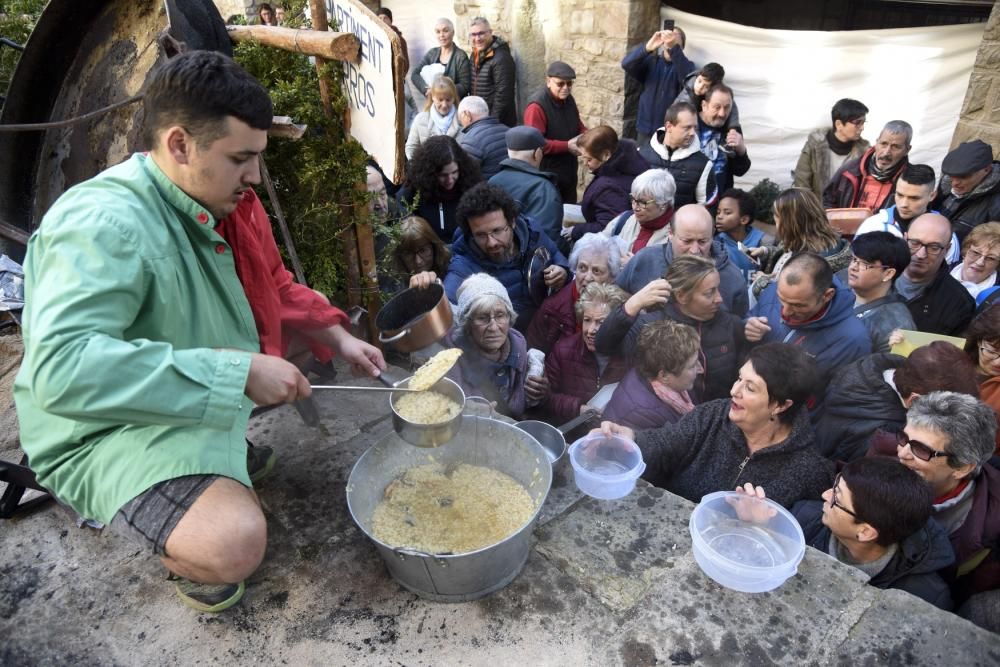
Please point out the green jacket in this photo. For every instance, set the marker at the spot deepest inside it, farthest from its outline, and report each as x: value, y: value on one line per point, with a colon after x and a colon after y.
x: 137, y: 339
x: 812, y: 171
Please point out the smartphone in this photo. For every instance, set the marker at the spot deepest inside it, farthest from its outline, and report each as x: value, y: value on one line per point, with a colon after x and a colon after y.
x: 668, y: 24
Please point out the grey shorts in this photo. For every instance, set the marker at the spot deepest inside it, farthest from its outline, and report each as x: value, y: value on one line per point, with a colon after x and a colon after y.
x: 150, y: 517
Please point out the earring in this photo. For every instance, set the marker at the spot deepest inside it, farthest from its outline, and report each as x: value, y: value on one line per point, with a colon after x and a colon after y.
x: 773, y: 417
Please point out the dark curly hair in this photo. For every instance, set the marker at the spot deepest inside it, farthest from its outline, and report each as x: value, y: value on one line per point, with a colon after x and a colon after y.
x: 482, y: 199
x: 430, y: 157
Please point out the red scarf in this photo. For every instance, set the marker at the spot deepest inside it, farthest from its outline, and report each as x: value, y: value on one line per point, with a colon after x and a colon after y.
x: 646, y: 229
x: 953, y: 493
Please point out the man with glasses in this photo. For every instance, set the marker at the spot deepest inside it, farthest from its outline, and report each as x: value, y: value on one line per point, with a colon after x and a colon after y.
x: 948, y: 441
x: 495, y: 239
x: 914, y: 192
x: 877, y: 518
x: 827, y: 148
x: 493, y: 74
x: 938, y: 303
x: 691, y: 233
x: 552, y: 111
x: 879, y: 259
x: 676, y: 148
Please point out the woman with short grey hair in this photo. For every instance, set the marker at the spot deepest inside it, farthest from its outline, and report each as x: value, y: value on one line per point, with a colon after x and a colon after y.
x: 948, y: 440
x: 648, y: 221
x: 454, y: 60
x: 596, y: 258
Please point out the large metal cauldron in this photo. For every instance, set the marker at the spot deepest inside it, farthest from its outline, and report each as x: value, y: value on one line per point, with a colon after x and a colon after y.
x: 480, y: 441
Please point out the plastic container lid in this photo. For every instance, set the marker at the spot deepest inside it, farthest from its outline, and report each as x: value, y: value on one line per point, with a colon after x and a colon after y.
x: 751, y: 556
x: 606, y: 467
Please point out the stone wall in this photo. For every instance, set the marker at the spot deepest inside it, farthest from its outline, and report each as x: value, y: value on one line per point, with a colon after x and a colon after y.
x: 980, y: 117
x: 229, y: 8
x: 590, y: 35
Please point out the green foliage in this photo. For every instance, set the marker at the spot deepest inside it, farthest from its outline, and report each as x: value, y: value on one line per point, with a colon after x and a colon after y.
x: 17, y: 20
x: 320, y: 178
x: 764, y: 194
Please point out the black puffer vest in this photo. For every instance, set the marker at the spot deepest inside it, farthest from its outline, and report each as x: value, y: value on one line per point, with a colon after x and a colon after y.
x: 686, y: 171
x: 562, y: 122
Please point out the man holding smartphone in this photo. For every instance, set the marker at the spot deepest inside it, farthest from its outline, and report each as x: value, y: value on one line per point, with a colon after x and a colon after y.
x: 661, y: 67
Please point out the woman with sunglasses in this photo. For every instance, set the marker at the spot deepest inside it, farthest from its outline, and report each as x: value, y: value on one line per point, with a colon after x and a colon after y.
x: 948, y: 440
x: 982, y: 344
x: 760, y: 435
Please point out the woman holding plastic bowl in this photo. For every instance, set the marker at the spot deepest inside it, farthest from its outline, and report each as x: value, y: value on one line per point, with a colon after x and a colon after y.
x: 760, y: 435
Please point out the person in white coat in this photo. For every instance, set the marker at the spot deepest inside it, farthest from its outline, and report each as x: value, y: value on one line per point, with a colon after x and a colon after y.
x: 440, y: 115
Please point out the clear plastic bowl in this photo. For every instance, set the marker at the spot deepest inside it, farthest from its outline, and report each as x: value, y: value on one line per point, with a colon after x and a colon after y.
x: 606, y: 467
x: 746, y: 556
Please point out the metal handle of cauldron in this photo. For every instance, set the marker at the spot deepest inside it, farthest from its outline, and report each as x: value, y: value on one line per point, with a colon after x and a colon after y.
x: 402, y: 553
x: 392, y: 339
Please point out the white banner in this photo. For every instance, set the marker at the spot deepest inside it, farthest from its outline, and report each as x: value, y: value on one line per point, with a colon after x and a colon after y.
x: 371, y: 86
x: 786, y: 81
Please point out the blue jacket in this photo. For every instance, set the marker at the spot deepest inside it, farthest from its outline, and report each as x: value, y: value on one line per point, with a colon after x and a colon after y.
x: 661, y: 81
x: 485, y: 141
x: 467, y: 259
x: 834, y: 340
x: 754, y: 238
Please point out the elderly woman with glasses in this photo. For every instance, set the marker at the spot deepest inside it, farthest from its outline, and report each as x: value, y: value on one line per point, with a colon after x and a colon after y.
x: 596, y: 258
x: 574, y: 369
x: 980, y: 259
x: 982, y: 344
x: 760, y: 435
x: 494, y: 361
x: 648, y: 222
x: 948, y: 440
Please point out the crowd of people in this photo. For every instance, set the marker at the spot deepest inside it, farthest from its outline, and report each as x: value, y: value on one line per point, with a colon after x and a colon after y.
x: 733, y: 357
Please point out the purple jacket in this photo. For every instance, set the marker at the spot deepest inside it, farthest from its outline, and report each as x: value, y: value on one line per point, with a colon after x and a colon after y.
x: 607, y: 195
x: 635, y: 405
x: 502, y: 382
x: 555, y: 319
x: 572, y: 373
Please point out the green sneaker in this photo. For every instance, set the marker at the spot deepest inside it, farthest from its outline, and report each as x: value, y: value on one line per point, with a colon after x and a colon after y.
x: 260, y: 462
x: 208, y: 598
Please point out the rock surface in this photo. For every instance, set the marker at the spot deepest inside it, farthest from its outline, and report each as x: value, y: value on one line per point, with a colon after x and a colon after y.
x: 607, y: 583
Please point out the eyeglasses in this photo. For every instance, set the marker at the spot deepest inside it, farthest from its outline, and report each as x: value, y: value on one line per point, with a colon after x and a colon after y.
x: 485, y: 320
x: 917, y: 448
x: 988, y: 353
x: 496, y: 234
x: 933, y: 249
x: 858, y: 122
x: 866, y: 266
x: 974, y: 256
x: 563, y: 84
x: 833, y: 497
x: 478, y: 34
x: 422, y: 251
x: 639, y: 203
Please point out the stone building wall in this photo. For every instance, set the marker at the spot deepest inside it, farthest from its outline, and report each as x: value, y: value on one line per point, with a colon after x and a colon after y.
x: 980, y: 116
x: 590, y: 35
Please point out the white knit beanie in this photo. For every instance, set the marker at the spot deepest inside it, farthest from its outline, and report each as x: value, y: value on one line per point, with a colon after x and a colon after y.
x: 474, y: 289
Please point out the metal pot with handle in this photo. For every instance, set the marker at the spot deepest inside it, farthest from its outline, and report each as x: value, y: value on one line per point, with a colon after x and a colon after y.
x: 453, y: 577
x: 415, y: 318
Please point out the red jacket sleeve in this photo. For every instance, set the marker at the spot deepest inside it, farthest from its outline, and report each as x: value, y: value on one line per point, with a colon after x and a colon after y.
x: 535, y: 117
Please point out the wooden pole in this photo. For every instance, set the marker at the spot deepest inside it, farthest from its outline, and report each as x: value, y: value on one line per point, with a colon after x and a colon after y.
x: 328, y: 45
